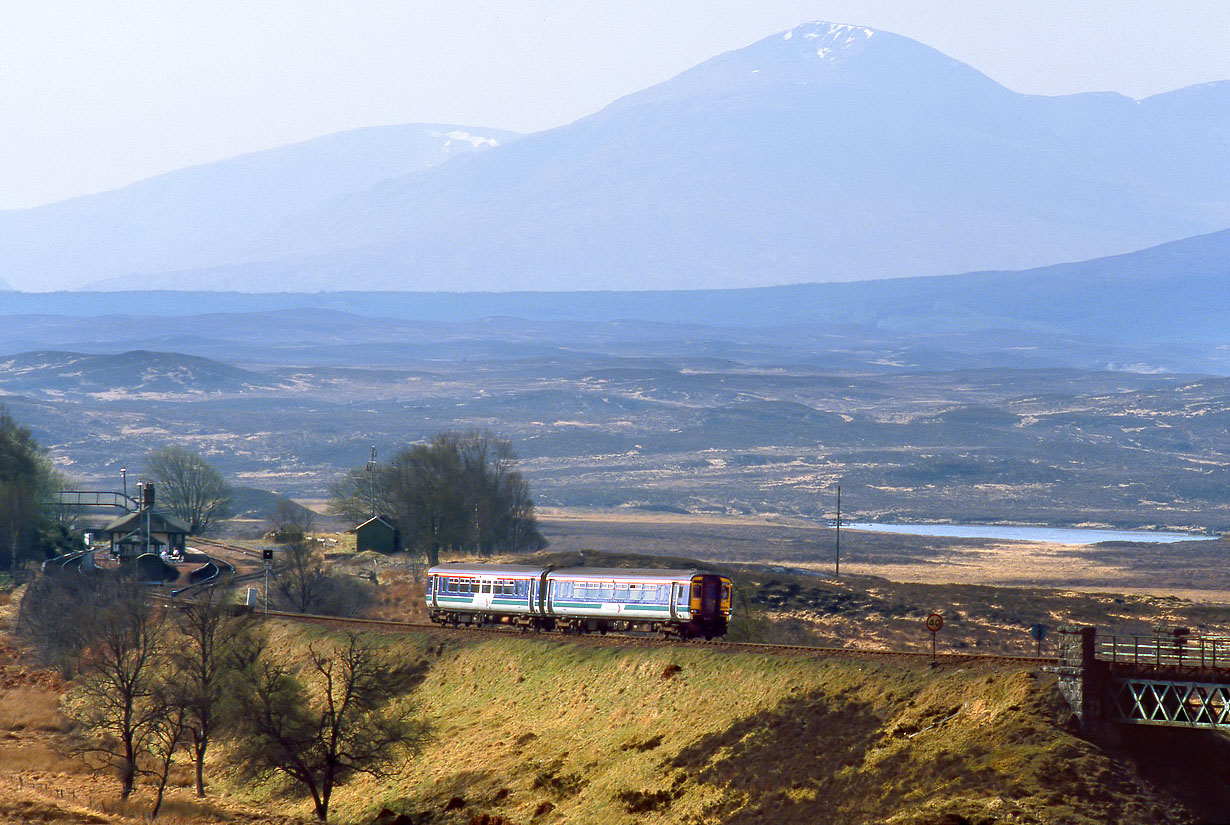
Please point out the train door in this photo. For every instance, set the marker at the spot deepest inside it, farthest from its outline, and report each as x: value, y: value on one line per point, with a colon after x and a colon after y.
x: 483, y: 597
x: 431, y: 591
x: 679, y: 601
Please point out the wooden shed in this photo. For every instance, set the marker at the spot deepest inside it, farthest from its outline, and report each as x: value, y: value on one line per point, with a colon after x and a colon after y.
x: 379, y: 534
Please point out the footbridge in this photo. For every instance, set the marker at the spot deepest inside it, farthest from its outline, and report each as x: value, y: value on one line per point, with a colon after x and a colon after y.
x: 96, y: 498
x: 1171, y: 678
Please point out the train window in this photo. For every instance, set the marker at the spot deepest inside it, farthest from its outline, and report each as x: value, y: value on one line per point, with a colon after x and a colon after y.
x: 696, y: 590
x: 608, y: 590
x: 486, y: 587
x: 621, y: 592
x: 725, y: 592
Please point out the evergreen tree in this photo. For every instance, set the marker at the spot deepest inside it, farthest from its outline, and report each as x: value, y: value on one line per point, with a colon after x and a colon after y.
x: 27, y: 486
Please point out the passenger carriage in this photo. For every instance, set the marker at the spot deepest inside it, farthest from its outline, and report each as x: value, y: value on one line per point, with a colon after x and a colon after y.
x: 686, y: 603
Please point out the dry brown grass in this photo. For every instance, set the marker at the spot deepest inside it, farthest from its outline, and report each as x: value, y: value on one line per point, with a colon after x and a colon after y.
x: 30, y: 708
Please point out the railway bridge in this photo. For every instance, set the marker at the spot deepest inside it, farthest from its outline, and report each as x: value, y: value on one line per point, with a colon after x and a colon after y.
x: 1172, y: 678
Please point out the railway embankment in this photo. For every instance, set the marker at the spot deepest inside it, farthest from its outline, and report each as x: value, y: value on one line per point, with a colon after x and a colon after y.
x: 535, y: 732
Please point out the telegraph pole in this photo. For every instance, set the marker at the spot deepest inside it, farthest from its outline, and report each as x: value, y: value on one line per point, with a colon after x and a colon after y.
x: 371, y: 485
x: 837, y: 557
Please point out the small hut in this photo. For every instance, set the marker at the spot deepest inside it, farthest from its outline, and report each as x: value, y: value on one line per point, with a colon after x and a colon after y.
x: 378, y: 533
x: 129, y: 540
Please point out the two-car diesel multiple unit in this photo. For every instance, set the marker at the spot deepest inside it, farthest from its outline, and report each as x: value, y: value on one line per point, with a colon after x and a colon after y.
x: 683, y: 603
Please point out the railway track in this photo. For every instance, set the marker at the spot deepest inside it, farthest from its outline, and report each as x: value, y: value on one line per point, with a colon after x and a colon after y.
x: 250, y: 567
x: 624, y: 640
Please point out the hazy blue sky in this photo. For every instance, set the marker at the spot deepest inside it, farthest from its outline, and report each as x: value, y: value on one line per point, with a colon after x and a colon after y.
x: 98, y: 93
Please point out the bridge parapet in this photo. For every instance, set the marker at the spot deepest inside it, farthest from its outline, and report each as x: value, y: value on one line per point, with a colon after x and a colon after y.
x: 1176, y: 649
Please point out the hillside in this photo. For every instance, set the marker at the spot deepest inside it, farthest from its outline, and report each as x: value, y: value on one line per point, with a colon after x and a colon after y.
x: 209, y: 214
x: 133, y: 374
x: 557, y: 732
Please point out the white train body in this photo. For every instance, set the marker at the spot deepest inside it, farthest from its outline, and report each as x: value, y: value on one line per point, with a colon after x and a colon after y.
x: 579, y: 599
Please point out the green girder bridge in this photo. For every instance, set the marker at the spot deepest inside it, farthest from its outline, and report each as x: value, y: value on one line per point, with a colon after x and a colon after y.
x: 1171, y: 679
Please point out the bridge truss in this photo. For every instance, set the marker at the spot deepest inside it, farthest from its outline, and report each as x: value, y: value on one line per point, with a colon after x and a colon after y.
x: 1158, y: 702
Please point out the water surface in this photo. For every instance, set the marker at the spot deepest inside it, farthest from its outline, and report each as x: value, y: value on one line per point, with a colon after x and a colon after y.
x: 1052, y: 535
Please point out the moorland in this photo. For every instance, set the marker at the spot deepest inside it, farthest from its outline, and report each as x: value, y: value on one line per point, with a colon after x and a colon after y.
x: 654, y: 416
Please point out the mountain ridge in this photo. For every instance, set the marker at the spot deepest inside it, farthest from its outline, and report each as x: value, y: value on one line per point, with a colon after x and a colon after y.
x: 1174, y: 294
x: 825, y: 153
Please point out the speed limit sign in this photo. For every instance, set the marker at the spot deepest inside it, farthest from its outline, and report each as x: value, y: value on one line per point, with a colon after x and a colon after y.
x: 935, y: 622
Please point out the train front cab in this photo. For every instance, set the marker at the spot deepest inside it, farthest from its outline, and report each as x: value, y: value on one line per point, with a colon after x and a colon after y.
x: 710, y: 605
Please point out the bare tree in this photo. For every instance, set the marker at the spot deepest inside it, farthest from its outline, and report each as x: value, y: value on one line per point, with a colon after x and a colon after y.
x: 291, y: 521
x: 354, y: 495
x: 333, y: 718
x: 189, y: 486
x: 299, y: 574
x: 207, y: 633
x: 58, y: 615
x: 166, y: 734
x: 460, y: 491
x: 117, y: 706
x: 306, y: 586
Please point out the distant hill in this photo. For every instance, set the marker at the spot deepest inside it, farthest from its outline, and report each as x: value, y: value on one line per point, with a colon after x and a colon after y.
x: 136, y: 373
x: 825, y: 153
x: 1177, y: 293
x: 254, y: 503
x: 213, y: 213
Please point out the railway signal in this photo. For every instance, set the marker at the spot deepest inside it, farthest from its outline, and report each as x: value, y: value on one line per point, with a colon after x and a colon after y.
x: 1038, y: 632
x: 267, y: 556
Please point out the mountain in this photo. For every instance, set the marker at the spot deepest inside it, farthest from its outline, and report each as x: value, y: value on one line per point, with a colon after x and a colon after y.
x: 824, y: 153
x: 216, y: 212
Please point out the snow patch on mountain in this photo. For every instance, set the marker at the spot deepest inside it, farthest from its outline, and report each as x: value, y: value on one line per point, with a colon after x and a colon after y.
x: 474, y: 140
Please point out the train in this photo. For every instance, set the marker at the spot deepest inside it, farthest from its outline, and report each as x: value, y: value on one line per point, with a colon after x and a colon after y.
x: 683, y: 604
